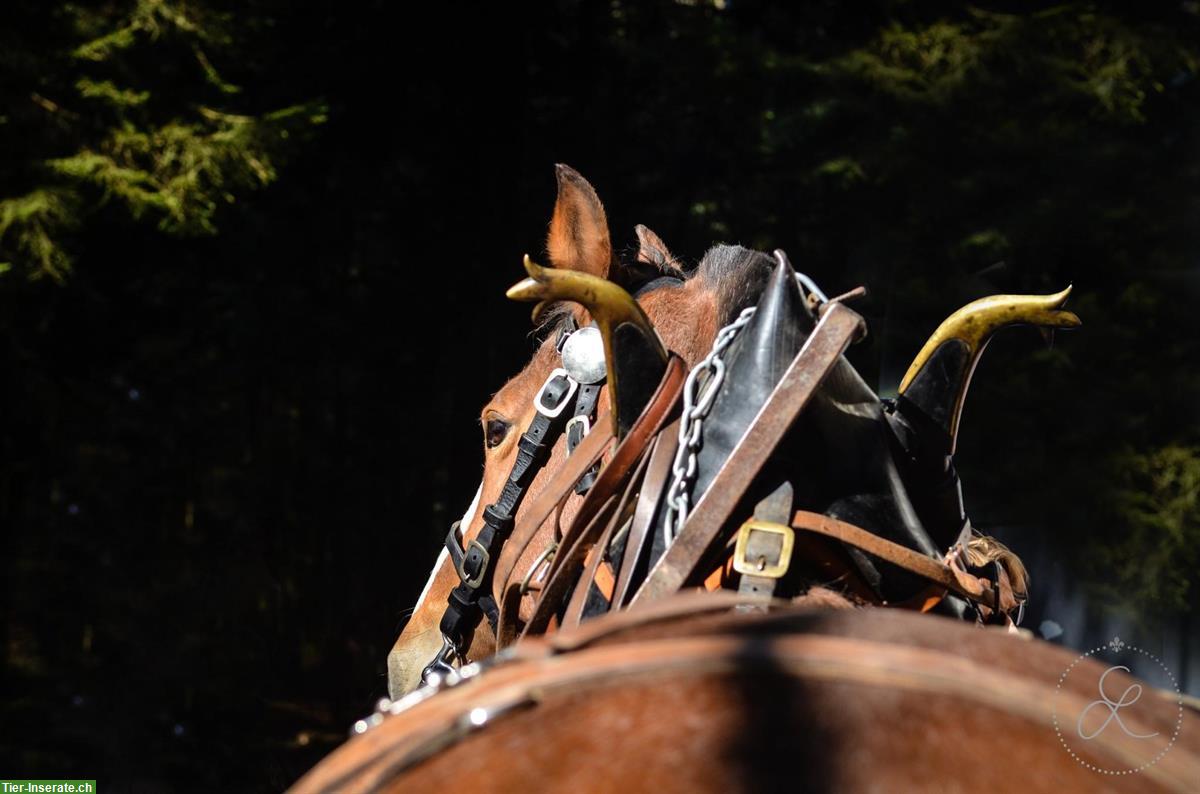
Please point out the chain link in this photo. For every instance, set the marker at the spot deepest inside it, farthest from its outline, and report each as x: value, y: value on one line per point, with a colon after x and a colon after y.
x: 699, y: 391
x: 698, y: 396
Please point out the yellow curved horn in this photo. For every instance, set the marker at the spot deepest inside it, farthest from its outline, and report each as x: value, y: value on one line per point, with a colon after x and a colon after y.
x: 938, y: 377
x: 610, y: 306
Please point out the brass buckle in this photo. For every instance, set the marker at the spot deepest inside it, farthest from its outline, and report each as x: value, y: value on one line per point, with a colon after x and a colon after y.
x: 762, y: 566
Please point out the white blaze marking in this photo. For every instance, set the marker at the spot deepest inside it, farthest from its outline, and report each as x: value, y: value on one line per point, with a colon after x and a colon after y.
x: 467, y: 518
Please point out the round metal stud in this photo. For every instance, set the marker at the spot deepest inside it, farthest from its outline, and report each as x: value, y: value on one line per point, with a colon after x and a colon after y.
x: 583, y: 355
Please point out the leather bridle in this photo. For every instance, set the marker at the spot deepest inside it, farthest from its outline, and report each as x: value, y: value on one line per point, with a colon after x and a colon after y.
x: 561, y: 404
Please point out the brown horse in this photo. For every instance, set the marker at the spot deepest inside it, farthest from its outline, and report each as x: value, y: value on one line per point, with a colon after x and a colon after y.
x: 692, y: 696
x: 683, y: 314
x: 688, y: 693
x: 686, y: 314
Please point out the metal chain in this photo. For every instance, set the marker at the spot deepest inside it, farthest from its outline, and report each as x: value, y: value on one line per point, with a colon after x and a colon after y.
x: 698, y: 397
x: 697, y: 400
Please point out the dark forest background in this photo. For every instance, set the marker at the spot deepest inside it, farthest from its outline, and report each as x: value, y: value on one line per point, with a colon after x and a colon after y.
x: 252, y: 262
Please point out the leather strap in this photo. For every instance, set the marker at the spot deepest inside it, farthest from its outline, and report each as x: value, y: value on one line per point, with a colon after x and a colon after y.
x: 574, y: 613
x: 472, y: 597
x: 602, y: 525
x: 654, y: 487
x: 557, y: 489
x: 946, y: 576
x: 583, y: 532
x: 777, y: 508
x: 580, y: 426
x: 838, y: 326
x: 625, y: 621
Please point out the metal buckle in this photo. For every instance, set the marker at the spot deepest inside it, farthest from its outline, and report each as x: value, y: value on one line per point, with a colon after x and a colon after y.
x: 581, y: 419
x: 553, y: 411
x: 761, y: 566
x: 439, y: 667
x: 546, y: 555
x: 474, y: 581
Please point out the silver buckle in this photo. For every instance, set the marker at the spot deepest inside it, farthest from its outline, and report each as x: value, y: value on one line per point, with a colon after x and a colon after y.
x: 581, y: 419
x: 553, y: 411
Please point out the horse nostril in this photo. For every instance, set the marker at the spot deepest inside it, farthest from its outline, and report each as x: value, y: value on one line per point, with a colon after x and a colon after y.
x: 495, y: 432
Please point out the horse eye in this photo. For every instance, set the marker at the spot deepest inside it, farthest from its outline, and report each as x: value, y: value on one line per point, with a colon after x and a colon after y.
x: 496, y: 431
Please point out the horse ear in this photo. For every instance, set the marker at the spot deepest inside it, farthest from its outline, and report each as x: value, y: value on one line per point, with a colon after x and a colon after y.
x: 578, y: 238
x: 653, y: 251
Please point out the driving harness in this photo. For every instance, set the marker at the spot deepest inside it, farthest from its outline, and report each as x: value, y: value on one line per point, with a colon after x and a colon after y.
x: 788, y: 391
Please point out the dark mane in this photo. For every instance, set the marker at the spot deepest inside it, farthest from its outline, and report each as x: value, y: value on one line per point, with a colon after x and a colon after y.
x: 737, y: 274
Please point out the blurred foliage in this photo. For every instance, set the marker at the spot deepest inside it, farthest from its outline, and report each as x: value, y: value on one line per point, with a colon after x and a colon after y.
x: 233, y: 435
x: 107, y: 128
x: 1157, y: 501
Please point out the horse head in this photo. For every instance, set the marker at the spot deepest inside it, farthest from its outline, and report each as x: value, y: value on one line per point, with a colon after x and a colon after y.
x: 685, y: 313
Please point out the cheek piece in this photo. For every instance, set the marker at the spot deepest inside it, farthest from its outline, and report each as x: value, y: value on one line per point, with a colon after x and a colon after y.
x: 566, y: 402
